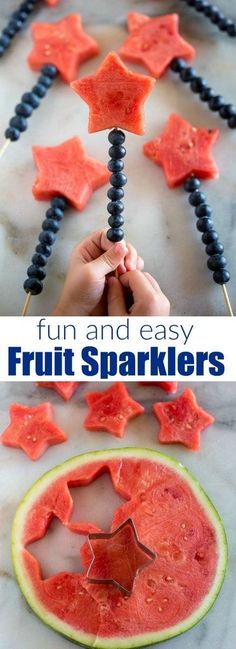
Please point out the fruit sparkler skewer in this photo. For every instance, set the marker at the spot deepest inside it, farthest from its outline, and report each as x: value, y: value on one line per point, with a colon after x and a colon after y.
x: 156, y: 44
x: 184, y: 152
x: 214, y: 14
x: 59, y: 49
x: 115, y: 97
x: 67, y: 176
x: 17, y: 20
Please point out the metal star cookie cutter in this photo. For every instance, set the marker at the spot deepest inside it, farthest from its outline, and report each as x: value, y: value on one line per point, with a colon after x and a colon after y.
x: 150, y: 557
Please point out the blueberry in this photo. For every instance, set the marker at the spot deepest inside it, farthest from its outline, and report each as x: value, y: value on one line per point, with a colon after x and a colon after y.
x: 115, y: 234
x: 12, y: 134
x: 33, y: 285
x: 205, y: 224
x: 23, y: 109
x: 221, y: 276
x: 116, y: 136
x: 115, y: 207
x: 115, y: 193
x: 191, y: 184
x: 196, y: 198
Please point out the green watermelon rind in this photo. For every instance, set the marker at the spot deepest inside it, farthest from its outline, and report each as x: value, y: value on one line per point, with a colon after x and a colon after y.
x: 140, y: 640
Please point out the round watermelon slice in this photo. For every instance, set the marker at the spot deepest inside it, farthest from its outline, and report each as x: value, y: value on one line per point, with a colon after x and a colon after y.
x: 173, y: 517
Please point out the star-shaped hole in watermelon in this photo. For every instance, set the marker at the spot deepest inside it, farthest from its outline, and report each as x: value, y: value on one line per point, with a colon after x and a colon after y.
x: 115, y: 96
x: 65, y: 389
x: 183, y: 150
x: 32, y: 429
x: 68, y: 171
x: 118, y: 557
x: 182, y: 420
x: 111, y: 410
x: 64, y: 44
x: 154, y: 42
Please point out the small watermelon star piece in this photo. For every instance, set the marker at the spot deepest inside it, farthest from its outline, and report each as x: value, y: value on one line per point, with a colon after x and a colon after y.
x: 52, y: 3
x: 66, y: 170
x: 167, y: 386
x: 118, y: 557
x: 115, y: 96
x: 182, y: 420
x: 111, y: 410
x: 154, y: 42
x: 65, y: 389
x: 32, y: 429
x: 183, y: 150
x: 64, y: 44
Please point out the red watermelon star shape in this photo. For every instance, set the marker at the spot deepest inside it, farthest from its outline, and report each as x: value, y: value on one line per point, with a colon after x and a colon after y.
x: 115, y: 96
x: 32, y: 429
x: 111, y: 410
x: 68, y: 171
x: 154, y: 42
x: 182, y: 420
x: 65, y: 389
x: 52, y: 3
x: 183, y: 150
x: 64, y: 44
x: 118, y: 557
x: 167, y: 386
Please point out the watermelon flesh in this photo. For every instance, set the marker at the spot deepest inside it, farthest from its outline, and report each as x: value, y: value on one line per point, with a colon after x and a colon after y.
x: 173, y: 517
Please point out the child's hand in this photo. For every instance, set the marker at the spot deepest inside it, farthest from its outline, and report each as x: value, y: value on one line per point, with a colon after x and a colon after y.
x: 84, y: 291
x: 146, y: 296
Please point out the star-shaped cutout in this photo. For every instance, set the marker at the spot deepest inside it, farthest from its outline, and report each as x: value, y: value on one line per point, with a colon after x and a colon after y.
x: 65, y: 389
x: 182, y: 420
x: 118, y: 557
x: 115, y: 96
x: 111, y: 410
x: 68, y: 171
x: 64, y: 44
x: 183, y: 150
x: 154, y: 42
x: 32, y: 429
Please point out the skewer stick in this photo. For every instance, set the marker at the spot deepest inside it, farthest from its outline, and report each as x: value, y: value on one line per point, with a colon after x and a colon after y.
x: 26, y: 304
x: 227, y: 300
x: 4, y: 148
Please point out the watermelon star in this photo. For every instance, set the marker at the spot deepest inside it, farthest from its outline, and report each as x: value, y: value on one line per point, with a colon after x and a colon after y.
x: 183, y: 150
x: 115, y: 96
x: 118, y: 557
x: 182, y: 420
x: 111, y: 410
x: 154, y: 42
x: 32, y: 429
x: 64, y: 44
x: 167, y: 386
x: 65, y: 389
x: 68, y: 171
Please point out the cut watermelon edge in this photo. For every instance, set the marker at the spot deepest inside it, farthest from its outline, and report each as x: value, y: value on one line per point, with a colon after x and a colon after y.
x: 141, y: 640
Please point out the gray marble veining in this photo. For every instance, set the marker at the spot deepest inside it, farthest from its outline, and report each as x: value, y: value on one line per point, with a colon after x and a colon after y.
x: 171, y: 247
x: 214, y: 466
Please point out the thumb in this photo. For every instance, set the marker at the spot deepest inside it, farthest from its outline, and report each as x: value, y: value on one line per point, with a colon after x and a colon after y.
x: 109, y: 260
x: 115, y: 298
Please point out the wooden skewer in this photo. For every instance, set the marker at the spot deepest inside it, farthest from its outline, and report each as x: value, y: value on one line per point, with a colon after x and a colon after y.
x: 26, y: 304
x: 4, y: 148
x: 227, y: 300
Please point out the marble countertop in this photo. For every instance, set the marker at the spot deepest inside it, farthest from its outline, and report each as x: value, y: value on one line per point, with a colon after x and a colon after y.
x: 214, y: 466
x: 169, y: 241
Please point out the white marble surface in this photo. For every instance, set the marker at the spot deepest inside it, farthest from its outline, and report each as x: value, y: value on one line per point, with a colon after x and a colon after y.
x: 214, y: 466
x: 158, y: 221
